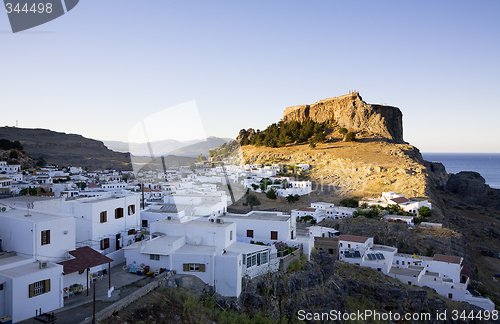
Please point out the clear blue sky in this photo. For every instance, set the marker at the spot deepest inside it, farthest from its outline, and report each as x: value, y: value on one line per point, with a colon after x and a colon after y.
x: 106, y: 65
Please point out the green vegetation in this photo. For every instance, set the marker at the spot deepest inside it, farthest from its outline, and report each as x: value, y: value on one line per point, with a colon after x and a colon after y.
x: 5, y: 144
x: 41, y: 162
x: 13, y: 154
x: 424, y: 211
x: 292, y: 198
x: 350, y: 137
x: 32, y: 191
x: 271, y: 194
x: 349, y: 202
x: 280, y: 134
x: 343, y: 131
x: 201, y: 158
x: 252, y: 200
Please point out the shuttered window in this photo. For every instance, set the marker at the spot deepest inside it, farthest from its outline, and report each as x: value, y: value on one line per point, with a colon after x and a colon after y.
x: 104, y: 244
x: 250, y: 233
x: 104, y: 217
x: 274, y: 235
x: 131, y: 209
x: 39, y: 288
x: 118, y: 213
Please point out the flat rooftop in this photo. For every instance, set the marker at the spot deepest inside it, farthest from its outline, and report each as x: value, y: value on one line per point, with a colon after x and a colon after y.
x: 259, y: 216
x: 404, y: 272
x: 384, y: 248
x: 196, y: 222
x: 35, y: 215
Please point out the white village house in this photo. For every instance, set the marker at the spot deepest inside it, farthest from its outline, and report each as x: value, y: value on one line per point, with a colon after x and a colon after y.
x: 446, y: 274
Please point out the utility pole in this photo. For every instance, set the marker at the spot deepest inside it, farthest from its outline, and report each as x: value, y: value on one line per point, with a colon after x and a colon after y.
x: 93, y: 303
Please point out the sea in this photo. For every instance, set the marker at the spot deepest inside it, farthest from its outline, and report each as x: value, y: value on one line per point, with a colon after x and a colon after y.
x: 487, y: 164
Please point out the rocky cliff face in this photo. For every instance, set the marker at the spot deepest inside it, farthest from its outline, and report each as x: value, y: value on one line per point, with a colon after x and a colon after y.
x: 351, y: 112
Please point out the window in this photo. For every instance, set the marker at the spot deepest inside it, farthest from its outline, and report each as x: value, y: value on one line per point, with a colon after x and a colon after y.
x: 118, y: 213
x: 340, y: 244
x: 274, y: 235
x: 403, y: 263
x: 256, y: 258
x: 230, y: 235
x: 330, y: 251
x: 39, y: 288
x: 250, y: 233
x: 131, y: 231
x: 131, y: 209
x: 155, y: 257
x: 1, y: 286
x: 104, y: 216
x: 349, y: 246
x: 46, y: 237
x: 193, y: 267
x: 104, y: 244
x: 144, y: 223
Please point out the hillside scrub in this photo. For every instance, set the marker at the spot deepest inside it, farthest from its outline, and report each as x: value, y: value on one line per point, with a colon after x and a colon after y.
x: 283, y: 133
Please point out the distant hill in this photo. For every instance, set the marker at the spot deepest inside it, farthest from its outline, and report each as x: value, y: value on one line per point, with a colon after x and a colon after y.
x: 163, y: 147
x: 66, y: 149
x: 201, y: 148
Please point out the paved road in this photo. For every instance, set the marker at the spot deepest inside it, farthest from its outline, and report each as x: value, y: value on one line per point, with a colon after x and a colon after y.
x: 78, y: 307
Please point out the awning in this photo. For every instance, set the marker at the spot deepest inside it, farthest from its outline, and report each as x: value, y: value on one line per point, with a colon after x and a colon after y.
x: 85, y: 257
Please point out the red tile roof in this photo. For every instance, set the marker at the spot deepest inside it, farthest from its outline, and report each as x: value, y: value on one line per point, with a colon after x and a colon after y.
x: 466, y: 272
x: 93, y: 185
x: 447, y: 258
x: 353, y: 238
x: 85, y: 257
x: 400, y: 200
x: 307, y: 209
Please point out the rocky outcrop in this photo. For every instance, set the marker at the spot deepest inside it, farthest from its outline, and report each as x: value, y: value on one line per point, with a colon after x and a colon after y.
x: 351, y: 112
x: 472, y: 189
x: 245, y: 135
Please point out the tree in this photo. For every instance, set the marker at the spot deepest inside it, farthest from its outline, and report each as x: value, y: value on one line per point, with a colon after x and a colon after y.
x: 343, y: 131
x: 13, y: 154
x: 201, y: 158
x: 40, y: 162
x: 254, y: 186
x: 271, y: 194
x: 350, y: 137
x: 312, y: 144
x: 252, y: 200
x: 349, y: 202
x: 424, y: 211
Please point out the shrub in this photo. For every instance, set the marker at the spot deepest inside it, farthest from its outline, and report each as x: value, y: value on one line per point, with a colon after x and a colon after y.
x: 424, y: 211
x: 349, y: 202
x: 343, y: 131
x: 13, y: 154
x: 312, y: 144
x: 350, y: 137
x: 252, y: 200
x: 271, y: 194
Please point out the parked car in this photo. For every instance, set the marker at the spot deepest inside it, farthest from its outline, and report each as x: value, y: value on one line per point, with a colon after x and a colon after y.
x: 484, y: 252
x: 492, y: 254
x: 497, y: 275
